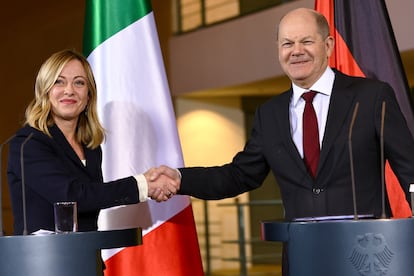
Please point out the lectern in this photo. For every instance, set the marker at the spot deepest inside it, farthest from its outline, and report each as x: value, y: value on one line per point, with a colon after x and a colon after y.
x: 346, y: 247
x: 61, y: 254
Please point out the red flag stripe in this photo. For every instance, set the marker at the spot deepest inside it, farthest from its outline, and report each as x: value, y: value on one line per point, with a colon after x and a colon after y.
x: 344, y: 60
x: 175, y: 232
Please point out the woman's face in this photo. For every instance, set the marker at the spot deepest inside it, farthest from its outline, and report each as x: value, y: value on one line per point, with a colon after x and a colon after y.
x: 69, y: 95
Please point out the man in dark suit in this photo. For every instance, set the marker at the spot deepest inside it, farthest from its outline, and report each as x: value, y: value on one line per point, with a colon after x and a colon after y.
x: 276, y: 144
x: 276, y: 140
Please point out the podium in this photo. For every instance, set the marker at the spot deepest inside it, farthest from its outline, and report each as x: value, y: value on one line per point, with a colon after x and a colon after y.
x: 61, y: 254
x: 346, y: 247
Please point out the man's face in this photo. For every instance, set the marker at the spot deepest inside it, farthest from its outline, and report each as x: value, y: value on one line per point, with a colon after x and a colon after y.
x: 303, y: 52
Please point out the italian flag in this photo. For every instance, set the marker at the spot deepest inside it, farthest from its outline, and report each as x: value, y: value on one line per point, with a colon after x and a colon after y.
x: 365, y: 46
x: 134, y: 104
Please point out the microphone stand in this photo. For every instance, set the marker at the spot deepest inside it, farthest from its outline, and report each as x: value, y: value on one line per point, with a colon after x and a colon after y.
x: 23, y: 183
x: 1, y: 182
x: 383, y: 215
x: 351, y: 160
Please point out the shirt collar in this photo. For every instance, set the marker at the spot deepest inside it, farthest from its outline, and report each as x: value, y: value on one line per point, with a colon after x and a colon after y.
x: 323, y: 85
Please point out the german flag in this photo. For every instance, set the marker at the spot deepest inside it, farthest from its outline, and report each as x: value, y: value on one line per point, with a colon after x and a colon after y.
x: 365, y: 46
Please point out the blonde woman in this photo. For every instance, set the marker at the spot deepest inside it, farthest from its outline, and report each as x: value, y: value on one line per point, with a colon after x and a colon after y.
x: 62, y: 156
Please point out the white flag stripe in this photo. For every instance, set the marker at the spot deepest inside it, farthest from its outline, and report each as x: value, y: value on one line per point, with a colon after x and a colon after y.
x: 129, y: 59
x: 135, y: 107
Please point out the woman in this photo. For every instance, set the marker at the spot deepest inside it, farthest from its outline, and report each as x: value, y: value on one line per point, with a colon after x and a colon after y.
x: 62, y: 156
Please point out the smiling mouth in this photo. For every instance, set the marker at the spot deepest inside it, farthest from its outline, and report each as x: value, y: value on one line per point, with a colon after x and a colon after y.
x: 299, y: 62
x: 68, y: 101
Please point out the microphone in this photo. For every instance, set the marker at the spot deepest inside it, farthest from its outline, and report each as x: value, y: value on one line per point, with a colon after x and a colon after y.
x: 1, y: 181
x: 382, y: 159
x: 351, y: 160
x: 23, y: 182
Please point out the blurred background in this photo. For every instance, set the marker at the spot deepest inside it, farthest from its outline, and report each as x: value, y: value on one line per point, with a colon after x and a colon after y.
x: 221, y: 61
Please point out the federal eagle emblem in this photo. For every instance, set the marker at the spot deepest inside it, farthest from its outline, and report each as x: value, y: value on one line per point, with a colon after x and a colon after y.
x: 371, y: 256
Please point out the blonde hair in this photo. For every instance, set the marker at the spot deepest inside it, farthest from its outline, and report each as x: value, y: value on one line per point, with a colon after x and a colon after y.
x: 38, y: 113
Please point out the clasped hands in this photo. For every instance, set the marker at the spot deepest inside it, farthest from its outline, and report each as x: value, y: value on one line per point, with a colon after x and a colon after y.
x: 163, y: 182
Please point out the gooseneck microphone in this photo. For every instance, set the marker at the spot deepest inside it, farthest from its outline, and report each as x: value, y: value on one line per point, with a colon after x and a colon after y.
x: 383, y: 215
x: 351, y: 160
x: 23, y: 182
x: 1, y: 181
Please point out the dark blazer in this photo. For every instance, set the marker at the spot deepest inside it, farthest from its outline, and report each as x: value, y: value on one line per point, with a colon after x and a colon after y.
x: 271, y: 147
x: 53, y: 172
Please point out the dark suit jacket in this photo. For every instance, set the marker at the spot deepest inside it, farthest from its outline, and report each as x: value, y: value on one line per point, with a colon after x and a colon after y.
x: 271, y: 147
x: 53, y: 172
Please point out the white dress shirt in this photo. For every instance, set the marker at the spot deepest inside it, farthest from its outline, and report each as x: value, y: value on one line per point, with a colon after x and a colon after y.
x: 320, y: 103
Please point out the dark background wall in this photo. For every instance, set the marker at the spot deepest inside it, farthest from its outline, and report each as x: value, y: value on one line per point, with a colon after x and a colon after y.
x: 30, y: 32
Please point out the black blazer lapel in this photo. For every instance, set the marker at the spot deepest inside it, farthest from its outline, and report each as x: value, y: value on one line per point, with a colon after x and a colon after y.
x: 60, y: 139
x: 283, y: 118
x: 340, y: 108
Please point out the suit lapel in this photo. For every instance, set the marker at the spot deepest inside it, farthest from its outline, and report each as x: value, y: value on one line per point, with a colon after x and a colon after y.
x: 65, y: 146
x: 341, y: 104
x: 282, y: 115
x: 340, y: 108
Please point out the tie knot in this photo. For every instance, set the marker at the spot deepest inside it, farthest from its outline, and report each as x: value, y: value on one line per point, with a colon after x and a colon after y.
x: 308, y: 96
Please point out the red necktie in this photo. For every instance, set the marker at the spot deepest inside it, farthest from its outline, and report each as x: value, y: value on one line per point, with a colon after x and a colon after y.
x: 310, y: 134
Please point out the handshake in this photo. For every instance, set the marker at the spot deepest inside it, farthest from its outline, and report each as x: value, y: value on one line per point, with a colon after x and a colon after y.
x: 163, y: 182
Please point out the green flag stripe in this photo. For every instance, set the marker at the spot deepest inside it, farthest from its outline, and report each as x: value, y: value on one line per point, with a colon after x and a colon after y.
x: 104, y: 18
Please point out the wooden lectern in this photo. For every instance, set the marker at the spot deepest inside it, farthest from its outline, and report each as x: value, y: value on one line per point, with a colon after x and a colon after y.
x: 346, y: 247
x: 61, y: 254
